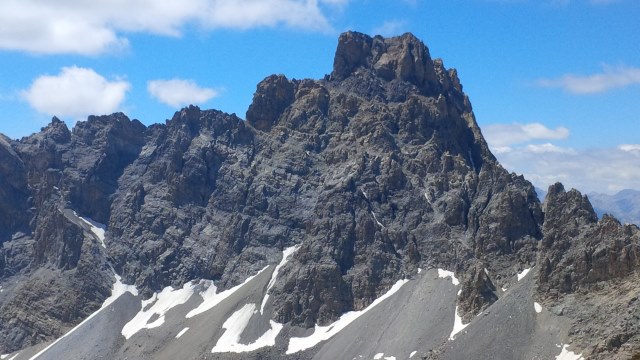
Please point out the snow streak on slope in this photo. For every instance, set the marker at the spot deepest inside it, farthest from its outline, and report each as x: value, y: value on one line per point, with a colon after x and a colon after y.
x: 212, y: 298
x: 285, y: 257
x: 118, y: 290
x: 182, y: 332
x: 457, y: 325
x: 322, y: 333
x: 96, y: 228
x: 457, y: 322
x: 235, y: 326
x: 162, y: 303
x: 524, y: 273
x: 568, y: 355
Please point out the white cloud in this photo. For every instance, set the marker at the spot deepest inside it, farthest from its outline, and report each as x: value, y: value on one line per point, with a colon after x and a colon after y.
x: 94, y: 27
x: 179, y: 92
x: 610, y: 78
x: 500, y: 136
x: 76, y: 92
x: 390, y: 28
x: 547, y: 148
x: 630, y: 147
x: 605, y: 170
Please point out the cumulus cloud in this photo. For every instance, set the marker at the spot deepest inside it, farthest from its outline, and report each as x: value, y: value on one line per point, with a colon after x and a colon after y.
x: 179, y: 92
x: 500, y: 136
x: 610, y: 78
x: 94, y: 27
x: 76, y: 92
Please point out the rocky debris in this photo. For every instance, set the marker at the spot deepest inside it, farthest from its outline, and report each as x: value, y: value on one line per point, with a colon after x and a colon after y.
x: 375, y: 171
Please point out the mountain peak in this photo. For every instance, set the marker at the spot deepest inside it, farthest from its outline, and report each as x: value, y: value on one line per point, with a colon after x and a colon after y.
x: 404, y: 57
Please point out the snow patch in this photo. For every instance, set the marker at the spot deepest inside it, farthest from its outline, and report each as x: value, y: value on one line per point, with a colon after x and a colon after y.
x: 322, y: 333
x: 523, y: 273
x: 568, y: 355
x: 419, y: 270
x: 445, y: 274
x: 537, y: 307
x: 212, y: 298
x: 389, y: 358
x: 413, y: 353
x: 486, y: 271
x: 504, y: 288
x: 117, y: 290
x: 235, y: 325
x: 378, y: 356
x: 161, y: 302
x: 457, y: 325
x: 96, y: 228
x: 286, y: 253
x: 182, y: 332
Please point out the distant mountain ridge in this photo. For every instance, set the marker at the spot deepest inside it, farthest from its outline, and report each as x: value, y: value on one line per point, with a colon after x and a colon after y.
x: 624, y: 205
x: 366, y: 205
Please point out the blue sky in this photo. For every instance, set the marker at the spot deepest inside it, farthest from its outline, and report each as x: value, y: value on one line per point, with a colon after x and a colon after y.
x: 555, y: 84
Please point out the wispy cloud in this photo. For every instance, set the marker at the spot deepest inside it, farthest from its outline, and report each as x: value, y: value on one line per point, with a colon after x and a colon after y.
x: 390, y: 28
x: 76, y: 92
x: 95, y: 27
x: 630, y: 148
x: 610, y: 78
x: 504, y: 135
x: 605, y: 170
x: 180, y: 92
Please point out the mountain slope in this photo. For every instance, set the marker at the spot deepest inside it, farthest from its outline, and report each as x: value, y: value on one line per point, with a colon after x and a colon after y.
x: 364, y: 178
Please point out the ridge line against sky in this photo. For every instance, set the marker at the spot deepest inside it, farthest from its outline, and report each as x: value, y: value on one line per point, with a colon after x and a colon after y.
x: 555, y: 84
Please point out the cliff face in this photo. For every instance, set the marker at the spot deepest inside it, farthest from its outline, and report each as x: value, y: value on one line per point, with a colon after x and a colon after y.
x: 374, y: 171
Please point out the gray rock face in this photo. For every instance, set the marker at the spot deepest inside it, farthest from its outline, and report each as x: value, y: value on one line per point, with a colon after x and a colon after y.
x: 374, y: 171
x: 591, y: 268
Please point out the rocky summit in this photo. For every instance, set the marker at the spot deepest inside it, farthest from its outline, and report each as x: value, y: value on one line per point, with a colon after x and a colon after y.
x: 357, y: 216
